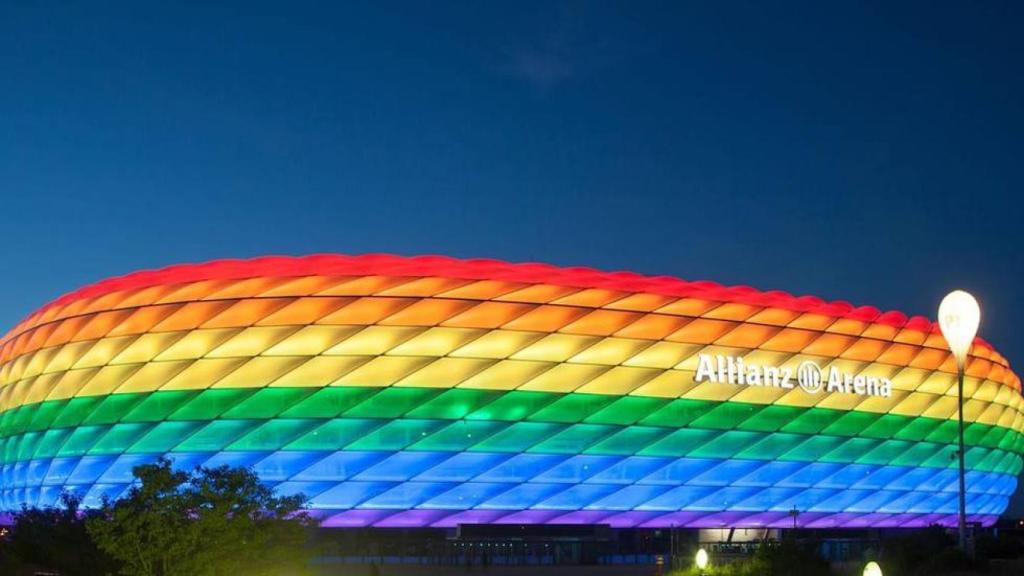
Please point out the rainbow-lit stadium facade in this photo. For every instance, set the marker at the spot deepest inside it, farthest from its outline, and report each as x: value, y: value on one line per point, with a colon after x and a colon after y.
x: 431, y: 391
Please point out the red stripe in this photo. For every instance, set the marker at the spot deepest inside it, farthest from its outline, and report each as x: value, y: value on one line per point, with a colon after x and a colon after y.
x: 486, y: 269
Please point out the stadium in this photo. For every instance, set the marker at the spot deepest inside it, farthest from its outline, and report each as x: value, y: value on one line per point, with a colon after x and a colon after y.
x: 436, y: 392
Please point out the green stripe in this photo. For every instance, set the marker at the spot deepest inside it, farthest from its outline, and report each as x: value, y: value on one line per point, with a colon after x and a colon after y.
x: 456, y: 403
x: 488, y: 436
x: 479, y: 420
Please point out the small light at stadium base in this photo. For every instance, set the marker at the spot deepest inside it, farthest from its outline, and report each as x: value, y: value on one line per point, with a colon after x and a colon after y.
x: 702, y: 559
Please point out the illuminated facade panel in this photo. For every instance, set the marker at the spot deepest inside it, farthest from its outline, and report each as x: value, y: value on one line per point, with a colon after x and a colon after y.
x: 431, y: 392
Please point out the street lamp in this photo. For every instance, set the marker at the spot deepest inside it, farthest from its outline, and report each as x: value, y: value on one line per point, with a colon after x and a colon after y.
x: 702, y: 560
x: 959, y: 316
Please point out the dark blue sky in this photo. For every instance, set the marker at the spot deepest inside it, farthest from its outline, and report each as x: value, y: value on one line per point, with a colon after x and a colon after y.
x: 869, y: 152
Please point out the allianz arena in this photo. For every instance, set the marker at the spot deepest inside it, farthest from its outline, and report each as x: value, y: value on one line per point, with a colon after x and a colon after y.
x: 431, y: 391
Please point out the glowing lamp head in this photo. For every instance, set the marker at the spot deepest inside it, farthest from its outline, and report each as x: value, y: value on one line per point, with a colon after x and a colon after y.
x: 702, y: 559
x: 872, y: 569
x: 959, y: 316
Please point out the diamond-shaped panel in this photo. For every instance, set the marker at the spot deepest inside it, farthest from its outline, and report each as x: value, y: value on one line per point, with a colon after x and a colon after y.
x: 430, y: 391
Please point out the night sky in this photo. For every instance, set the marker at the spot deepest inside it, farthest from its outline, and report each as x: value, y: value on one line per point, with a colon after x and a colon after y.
x: 868, y: 152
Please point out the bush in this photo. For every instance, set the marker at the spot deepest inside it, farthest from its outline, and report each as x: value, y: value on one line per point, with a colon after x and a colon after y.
x: 785, y: 558
x: 922, y: 553
x: 1000, y: 546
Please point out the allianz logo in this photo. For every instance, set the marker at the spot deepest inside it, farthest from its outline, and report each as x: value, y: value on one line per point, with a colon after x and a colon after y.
x: 809, y: 376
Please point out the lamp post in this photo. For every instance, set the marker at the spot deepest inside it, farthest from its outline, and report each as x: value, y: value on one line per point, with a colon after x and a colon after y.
x: 959, y: 316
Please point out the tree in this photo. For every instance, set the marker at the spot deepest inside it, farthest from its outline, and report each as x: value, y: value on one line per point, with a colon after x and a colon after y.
x: 55, y: 538
x: 209, y: 522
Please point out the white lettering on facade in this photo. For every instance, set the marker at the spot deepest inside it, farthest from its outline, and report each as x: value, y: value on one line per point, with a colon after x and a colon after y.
x: 809, y: 377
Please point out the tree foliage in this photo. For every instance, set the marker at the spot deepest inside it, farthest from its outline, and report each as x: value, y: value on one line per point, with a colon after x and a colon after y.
x: 214, y: 521
x: 55, y: 538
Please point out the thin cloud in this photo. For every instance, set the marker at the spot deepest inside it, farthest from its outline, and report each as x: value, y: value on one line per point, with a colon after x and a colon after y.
x: 542, y: 70
x: 555, y: 54
x: 570, y: 42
